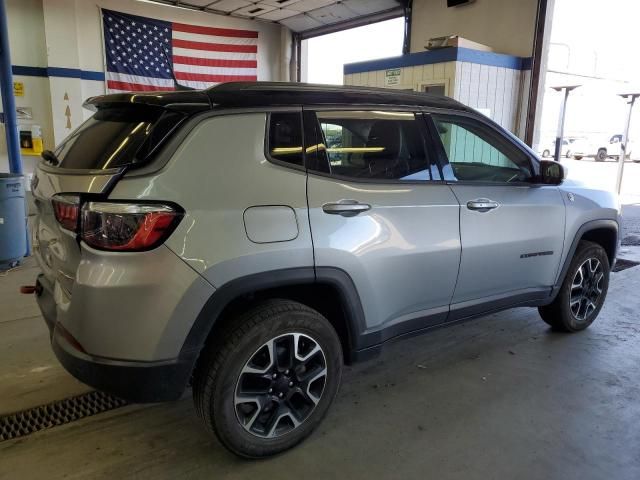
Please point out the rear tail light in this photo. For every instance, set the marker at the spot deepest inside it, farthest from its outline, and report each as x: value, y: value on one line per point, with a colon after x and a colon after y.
x: 127, y: 226
x: 66, y: 208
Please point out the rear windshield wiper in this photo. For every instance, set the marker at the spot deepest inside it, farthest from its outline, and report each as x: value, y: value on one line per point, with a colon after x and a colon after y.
x: 50, y: 157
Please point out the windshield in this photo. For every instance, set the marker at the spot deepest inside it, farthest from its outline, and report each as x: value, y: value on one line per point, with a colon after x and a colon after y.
x: 114, y: 137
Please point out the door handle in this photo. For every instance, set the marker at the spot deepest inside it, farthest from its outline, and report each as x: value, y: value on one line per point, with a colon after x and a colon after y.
x: 346, y: 208
x: 482, y: 205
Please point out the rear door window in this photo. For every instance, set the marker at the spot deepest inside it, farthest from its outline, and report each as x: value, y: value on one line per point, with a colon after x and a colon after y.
x: 374, y: 145
x: 114, y: 137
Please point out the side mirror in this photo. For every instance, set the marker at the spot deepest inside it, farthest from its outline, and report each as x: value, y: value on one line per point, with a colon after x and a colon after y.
x: 551, y: 172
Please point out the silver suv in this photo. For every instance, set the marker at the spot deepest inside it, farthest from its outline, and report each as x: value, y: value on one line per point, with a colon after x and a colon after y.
x: 249, y: 239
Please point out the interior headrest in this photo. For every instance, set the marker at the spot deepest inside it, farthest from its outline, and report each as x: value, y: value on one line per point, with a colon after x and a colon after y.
x: 386, y: 134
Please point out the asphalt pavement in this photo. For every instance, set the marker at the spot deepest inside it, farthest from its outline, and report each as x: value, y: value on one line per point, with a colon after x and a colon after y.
x: 631, y: 224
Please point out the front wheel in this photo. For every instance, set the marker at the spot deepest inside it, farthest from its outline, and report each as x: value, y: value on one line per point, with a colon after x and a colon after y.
x: 268, y: 382
x: 583, y: 291
x: 601, y: 156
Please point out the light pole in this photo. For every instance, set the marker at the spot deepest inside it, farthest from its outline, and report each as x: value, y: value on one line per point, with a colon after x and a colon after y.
x: 631, y: 100
x: 563, y: 112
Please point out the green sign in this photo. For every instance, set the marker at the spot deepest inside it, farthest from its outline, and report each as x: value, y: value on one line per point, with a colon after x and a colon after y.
x: 392, y: 77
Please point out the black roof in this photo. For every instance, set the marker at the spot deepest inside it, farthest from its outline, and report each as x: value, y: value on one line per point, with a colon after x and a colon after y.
x: 250, y: 94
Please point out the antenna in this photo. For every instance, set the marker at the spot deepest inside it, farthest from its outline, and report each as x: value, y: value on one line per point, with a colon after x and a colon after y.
x: 179, y: 86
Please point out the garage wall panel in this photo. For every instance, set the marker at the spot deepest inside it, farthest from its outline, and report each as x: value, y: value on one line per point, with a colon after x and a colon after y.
x: 505, y: 25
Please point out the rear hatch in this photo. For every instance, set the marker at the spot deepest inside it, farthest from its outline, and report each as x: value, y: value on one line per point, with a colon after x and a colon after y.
x: 121, y: 135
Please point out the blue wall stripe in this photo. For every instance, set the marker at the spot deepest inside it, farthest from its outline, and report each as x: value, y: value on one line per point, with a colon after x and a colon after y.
x: 490, y: 58
x: 29, y: 71
x: 57, y: 72
x: 441, y: 55
x: 89, y: 75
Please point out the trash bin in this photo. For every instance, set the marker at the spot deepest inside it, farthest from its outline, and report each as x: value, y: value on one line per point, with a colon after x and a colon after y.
x: 13, y: 236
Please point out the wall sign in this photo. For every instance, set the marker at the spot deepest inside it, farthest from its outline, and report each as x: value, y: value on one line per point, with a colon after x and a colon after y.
x: 392, y: 77
x: 67, y: 112
x: 18, y: 89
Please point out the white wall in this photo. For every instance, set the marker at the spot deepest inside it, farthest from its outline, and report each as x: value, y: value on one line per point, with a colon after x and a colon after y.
x: 507, y: 26
x: 411, y: 78
x: 494, y: 90
x: 26, y: 37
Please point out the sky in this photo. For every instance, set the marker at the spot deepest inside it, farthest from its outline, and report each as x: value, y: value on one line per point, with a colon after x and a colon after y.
x: 328, y: 53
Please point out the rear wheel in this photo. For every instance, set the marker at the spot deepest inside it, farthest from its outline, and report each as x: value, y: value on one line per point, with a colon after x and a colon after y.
x: 270, y: 379
x: 583, y: 291
x: 546, y: 153
x: 601, y: 156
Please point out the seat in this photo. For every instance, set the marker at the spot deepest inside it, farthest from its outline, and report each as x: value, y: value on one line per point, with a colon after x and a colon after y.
x: 389, y: 162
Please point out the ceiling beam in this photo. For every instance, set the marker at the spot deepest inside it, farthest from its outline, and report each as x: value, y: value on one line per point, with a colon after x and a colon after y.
x: 353, y: 23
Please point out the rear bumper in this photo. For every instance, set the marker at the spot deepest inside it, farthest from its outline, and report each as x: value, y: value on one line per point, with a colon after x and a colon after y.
x: 133, y: 381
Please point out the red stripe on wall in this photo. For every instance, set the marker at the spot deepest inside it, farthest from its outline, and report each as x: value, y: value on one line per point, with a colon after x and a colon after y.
x: 214, y: 47
x: 221, y: 32
x: 136, y: 87
x: 203, y: 77
x: 214, y: 62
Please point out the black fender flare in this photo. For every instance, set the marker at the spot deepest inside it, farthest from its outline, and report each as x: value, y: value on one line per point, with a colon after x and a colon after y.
x: 584, y: 228
x: 225, y: 294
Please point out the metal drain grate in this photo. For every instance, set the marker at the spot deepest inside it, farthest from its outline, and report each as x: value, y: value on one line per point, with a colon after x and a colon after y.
x: 57, y: 413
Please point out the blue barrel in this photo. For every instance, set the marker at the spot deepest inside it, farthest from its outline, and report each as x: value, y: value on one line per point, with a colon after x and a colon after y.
x: 13, y: 237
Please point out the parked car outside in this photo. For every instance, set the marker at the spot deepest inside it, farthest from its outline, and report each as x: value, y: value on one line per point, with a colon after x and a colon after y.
x: 614, y: 149
x: 214, y: 239
x: 566, y: 151
x: 584, y: 147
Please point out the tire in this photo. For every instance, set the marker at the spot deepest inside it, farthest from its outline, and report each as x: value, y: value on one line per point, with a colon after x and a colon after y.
x: 546, y: 153
x: 601, y: 156
x: 262, y: 426
x: 563, y: 314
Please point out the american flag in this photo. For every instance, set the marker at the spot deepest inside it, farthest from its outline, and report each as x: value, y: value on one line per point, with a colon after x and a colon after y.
x: 145, y: 54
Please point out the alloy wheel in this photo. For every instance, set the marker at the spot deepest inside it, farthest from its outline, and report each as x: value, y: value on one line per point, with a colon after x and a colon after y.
x: 280, y: 385
x: 586, y: 289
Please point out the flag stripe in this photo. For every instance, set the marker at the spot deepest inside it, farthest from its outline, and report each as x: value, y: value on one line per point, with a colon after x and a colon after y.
x: 196, y: 37
x: 214, y: 47
x: 139, y: 79
x: 195, y: 84
x: 223, y: 32
x: 214, y: 62
x: 215, y: 70
x: 185, y: 52
x: 214, y: 78
x: 135, y: 87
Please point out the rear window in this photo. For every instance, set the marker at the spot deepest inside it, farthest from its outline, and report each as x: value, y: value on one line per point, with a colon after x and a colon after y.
x: 115, y: 137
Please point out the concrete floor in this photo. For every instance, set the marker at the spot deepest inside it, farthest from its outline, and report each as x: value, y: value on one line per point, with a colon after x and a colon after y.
x: 499, y: 397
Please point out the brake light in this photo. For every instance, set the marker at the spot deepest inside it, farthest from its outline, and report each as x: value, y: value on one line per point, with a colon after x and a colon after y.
x: 127, y: 226
x: 66, y: 209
